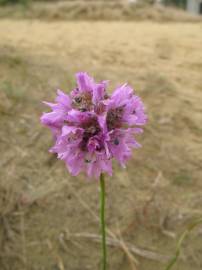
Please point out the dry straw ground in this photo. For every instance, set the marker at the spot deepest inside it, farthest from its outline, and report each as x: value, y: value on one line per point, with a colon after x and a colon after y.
x: 95, y: 10
x: 48, y: 219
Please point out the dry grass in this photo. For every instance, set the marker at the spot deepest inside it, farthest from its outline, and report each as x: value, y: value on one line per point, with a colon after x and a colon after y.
x: 96, y: 10
x: 151, y: 201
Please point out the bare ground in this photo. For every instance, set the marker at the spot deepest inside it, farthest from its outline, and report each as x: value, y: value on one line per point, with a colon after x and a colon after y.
x: 46, y: 215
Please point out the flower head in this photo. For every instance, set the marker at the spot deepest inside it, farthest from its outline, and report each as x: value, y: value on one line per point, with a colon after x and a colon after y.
x: 91, y: 127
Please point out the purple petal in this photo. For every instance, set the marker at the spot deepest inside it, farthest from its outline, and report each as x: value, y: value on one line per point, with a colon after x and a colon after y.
x: 85, y: 82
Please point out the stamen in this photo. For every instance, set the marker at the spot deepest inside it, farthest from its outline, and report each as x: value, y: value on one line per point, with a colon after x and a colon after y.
x: 116, y: 141
x: 100, y: 108
x: 114, y: 117
x: 91, y: 128
x: 82, y: 102
x: 78, y: 99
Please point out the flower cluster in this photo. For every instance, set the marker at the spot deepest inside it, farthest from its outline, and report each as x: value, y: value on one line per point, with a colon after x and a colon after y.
x: 91, y: 127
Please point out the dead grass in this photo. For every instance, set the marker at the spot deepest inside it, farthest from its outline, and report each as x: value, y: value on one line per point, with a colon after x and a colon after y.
x: 151, y: 201
x: 96, y: 10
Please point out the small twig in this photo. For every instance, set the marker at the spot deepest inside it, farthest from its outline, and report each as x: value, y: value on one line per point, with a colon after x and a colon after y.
x: 157, y: 180
x: 113, y: 242
x: 5, y: 162
x: 23, y: 239
x: 118, y: 243
x: 133, y: 261
x: 35, y: 137
x: 8, y: 232
x: 164, y: 231
x: 131, y: 258
x: 55, y: 255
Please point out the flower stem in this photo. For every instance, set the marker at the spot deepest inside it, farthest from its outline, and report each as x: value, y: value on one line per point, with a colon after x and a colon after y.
x: 102, y: 222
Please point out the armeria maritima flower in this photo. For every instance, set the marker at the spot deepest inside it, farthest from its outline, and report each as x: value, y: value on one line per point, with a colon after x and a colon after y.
x: 91, y: 127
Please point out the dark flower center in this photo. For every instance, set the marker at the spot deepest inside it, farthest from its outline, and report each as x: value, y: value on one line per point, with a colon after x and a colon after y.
x: 100, y: 108
x: 114, y: 117
x: 82, y: 102
x: 91, y: 128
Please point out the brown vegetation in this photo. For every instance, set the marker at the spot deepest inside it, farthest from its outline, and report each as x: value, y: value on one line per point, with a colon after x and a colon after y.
x: 48, y: 219
x: 96, y: 10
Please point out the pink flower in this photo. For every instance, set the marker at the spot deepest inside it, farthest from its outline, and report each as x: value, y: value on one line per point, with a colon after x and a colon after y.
x: 91, y: 128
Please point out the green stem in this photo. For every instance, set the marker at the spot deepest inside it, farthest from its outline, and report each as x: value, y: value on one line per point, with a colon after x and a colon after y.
x: 102, y: 221
x: 181, y: 240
